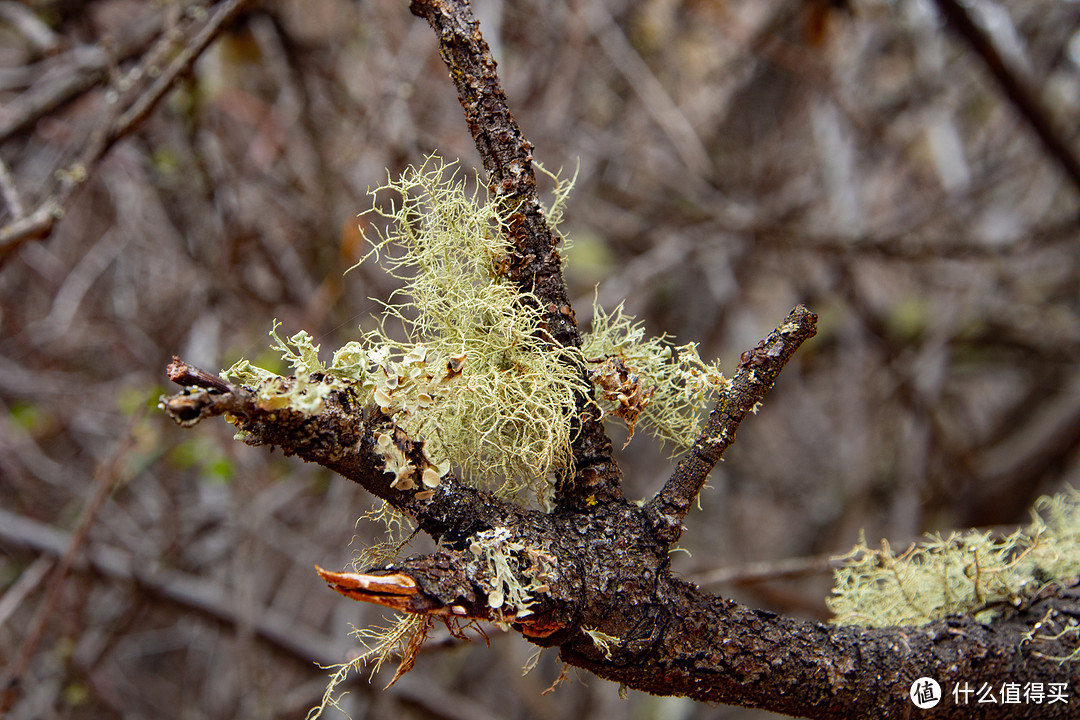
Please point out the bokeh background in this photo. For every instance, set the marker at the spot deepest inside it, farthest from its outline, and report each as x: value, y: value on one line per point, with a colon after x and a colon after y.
x: 733, y: 158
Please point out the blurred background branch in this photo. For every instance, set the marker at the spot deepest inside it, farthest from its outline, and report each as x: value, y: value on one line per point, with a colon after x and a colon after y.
x: 126, y: 100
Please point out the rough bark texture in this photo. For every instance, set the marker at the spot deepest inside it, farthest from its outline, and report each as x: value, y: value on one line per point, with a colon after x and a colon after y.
x: 610, y: 574
x: 536, y: 265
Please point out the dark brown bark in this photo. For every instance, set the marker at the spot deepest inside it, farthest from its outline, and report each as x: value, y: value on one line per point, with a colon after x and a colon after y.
x: 757, y: 371
x: 609, y: 568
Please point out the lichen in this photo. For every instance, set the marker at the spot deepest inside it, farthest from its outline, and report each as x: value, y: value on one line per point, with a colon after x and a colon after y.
x: 514, y: 571
x: 475, y: 377
x: 665, y: 387
x: 603, y: 642
x: 401, y: 638
x: 972, y: 573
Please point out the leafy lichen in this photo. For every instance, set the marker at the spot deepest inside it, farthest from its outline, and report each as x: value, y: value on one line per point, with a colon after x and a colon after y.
x: 514, y: 571
x: 970, y: 573
x: 603, y: 642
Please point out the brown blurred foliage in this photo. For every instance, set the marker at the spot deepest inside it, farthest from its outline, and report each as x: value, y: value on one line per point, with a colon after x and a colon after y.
x: 734, y: 157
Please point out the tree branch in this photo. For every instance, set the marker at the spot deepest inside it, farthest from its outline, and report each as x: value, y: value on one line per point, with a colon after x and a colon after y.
x: 1026, y: 102
x: 535, y: 265
x: 342, y: 438
x: 716, y: 650
x: 757, y: 371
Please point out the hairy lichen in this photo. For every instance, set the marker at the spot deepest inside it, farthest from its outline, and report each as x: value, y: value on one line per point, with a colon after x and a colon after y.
x: 972, y: 573
x: 664, y: 387
x: 401, y: 638
x: 476, y: 377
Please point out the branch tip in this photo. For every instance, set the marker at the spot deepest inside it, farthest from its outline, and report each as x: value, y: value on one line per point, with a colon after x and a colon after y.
x: 758, y: 370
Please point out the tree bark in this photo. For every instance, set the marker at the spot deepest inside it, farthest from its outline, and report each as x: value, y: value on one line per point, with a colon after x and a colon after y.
x: 610, y: 601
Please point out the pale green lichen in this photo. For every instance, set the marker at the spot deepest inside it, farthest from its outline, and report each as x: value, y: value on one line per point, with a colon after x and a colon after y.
x: 475, y: 376
x: 514, y: 571
x: 401, y: 638
x: 664, y: 387
x: 972, y: 573
x: 505, y: 415
x: 553, y: 213
x: 301, y: 392
x: 603, y: 642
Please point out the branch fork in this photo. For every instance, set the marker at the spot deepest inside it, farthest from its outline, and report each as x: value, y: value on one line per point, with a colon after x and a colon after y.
x: 609, y: 600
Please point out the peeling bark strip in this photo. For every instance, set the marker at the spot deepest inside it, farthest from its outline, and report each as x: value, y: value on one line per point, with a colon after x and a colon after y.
x: 600, y: 586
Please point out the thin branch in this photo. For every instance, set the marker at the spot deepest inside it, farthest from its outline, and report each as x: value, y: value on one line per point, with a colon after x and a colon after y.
x: 67, y: 76
x: 180, y: 65
x: 208, y: 598
x: 9, y: 192
x: 654, y: 97
x: 28, y: 581
x: 507, y: 157
x: 758, y: 370
x: 1027, y: 102
x: 27, y: 23
x: 105, y: 479
x: 122, y: 115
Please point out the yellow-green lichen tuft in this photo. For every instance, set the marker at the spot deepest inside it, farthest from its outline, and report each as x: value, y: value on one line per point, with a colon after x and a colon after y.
x: 503, y: 400
x: 474, y: 376
x: 666, y: 388
x: 972, y: 573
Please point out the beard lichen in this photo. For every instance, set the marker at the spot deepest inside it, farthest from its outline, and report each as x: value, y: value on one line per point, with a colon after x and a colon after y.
x: 474, y: 378
x: 971, y: 573
x: 664, y: 387
x: 401, y: 638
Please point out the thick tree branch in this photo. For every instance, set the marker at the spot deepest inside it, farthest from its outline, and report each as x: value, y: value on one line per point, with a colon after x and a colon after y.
x: 660, y: 634
x: 757, y: 371
x: 715, y: 650
x: 535, y: 265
